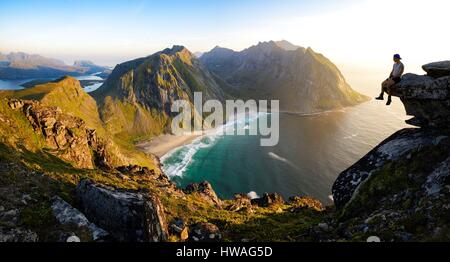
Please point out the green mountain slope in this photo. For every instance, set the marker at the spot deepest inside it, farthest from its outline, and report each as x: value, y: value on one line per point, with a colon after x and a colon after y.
x: 136, y: 99
x: 66, y: 95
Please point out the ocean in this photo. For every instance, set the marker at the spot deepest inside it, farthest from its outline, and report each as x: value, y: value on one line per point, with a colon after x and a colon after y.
x: 16, y: 84
x: 312, y: 151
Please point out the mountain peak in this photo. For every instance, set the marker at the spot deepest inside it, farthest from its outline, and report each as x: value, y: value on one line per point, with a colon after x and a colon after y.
x: 67, y: 80
x: 265, y: 70
x: 288, y: 46
x: 175, y: 49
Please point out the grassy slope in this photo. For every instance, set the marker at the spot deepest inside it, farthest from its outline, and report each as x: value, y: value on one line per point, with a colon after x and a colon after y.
x: 68, y: 95
x: 43, y: 175
x: 130, y: 103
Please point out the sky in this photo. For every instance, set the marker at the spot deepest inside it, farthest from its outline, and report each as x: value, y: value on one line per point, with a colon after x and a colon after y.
x: 359, y: 36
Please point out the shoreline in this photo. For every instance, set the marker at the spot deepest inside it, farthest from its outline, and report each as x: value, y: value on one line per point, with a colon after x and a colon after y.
x: 165, y: 143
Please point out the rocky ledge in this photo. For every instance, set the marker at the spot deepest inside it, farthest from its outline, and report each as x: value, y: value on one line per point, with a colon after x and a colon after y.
x: 427, y: 97
x: 401, y: 188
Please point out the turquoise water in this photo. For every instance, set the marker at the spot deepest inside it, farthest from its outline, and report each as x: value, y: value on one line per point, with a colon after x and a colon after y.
x: 311, y: 152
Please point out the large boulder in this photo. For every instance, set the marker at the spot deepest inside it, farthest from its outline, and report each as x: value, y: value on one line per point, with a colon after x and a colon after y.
x: 437, y: 69
x: 128, y: 216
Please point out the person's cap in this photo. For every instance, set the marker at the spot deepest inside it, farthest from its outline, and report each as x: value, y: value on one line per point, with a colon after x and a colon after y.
x: 397, y: 56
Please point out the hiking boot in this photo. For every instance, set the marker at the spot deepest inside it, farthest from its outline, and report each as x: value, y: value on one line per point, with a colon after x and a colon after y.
x: 389, y: 101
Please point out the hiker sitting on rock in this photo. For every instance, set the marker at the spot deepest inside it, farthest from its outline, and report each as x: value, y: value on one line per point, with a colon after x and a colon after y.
x: 394, y: 78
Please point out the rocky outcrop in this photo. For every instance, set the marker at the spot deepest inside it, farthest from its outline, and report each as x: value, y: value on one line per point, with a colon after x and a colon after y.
x: 437, y: 69
x: 205, y: 190
x: 129, y: 216
x: 301, y: 203
x: 405, y: 198
x: 242, y: 202
x: 146, y: 175
x: 268, y: 200
x: 426, y: 98
x: 66, y: 214
x: 400, y: 190
x: 66, y: 136
x: 400, y: 146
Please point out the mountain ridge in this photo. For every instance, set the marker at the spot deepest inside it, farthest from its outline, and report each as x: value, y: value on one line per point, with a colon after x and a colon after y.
x: 304, y: 81
x: 398, y: 191
x: 148, y: 86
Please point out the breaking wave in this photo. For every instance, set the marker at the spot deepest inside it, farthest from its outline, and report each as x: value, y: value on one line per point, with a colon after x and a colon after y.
x: 178, y: 160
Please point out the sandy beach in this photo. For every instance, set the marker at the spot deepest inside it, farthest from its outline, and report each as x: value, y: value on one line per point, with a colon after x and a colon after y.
x: 162, y: 144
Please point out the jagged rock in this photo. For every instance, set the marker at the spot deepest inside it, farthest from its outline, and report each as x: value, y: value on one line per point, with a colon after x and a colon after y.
x: 437, y: 69
x: 425, y: 98
x: 438, y: 179
x: 155, y: 219
x: 141, y: 173
x: 268, y: 200
x: 300, y: 203
x: 67, y: 136
x: 241, y: 202
x: 205, y: 190
x: 17, y: 235
x: 15, y: 104
x: 66, y: 214
x: 205, y: 232
x: 127, y: 215
x: 178, y: 227
x: 144, y: 175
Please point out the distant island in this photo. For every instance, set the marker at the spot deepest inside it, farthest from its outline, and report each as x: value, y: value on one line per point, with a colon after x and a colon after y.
x: 16, y: 66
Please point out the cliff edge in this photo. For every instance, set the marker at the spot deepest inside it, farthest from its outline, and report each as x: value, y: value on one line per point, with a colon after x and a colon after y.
x: 401, y: 188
